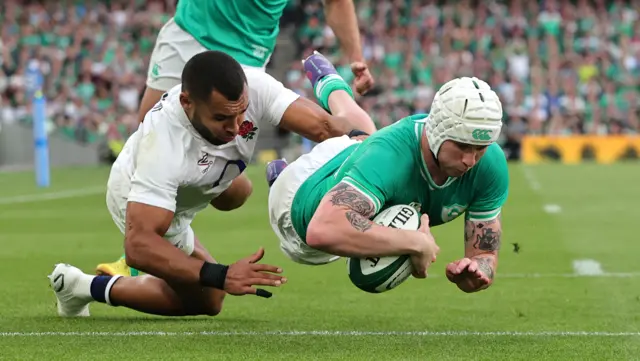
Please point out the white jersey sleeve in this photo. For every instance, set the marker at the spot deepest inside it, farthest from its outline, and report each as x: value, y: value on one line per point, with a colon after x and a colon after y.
x: 270, y: 95
x: 158, y: 165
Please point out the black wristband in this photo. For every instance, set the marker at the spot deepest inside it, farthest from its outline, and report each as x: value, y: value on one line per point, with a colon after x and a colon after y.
x: 213, y: 275
x: 356, y: 132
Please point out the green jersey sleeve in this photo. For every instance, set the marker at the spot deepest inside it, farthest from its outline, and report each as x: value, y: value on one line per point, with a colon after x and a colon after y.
x: 491, y: 186
x: 377, y: 169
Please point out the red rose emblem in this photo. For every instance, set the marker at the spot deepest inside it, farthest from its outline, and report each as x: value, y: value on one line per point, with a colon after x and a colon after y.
x: 247, y: 129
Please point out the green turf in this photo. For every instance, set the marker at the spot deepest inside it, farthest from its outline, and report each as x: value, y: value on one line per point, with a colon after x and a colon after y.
x: 597, y: 221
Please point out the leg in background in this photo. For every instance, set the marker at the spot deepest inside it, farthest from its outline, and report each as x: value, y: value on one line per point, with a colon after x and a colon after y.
x: 334, y: 94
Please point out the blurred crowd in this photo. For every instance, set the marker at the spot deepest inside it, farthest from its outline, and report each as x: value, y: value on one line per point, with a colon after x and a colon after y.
x: 560, y: 67
x: 93, y: 55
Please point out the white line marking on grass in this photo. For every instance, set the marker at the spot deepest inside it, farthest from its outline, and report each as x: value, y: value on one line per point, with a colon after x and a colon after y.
x: 587, y: 267
x: 531, y: 179
x: 329, y: 333
x: 53, y: 195
x: 570, y: 275
x: 536, y: 187
x: 552, y: 208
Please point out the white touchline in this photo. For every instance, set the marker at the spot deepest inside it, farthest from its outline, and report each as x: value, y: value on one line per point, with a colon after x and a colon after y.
x: 587, y: 267
x: 331, y: 333
x: 28, y: 198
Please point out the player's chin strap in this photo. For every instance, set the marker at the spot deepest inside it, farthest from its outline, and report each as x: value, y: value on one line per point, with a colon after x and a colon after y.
x: 435, y: 159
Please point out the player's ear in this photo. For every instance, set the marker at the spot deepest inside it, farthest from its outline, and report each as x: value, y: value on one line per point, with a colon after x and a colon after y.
x: 186, y: 101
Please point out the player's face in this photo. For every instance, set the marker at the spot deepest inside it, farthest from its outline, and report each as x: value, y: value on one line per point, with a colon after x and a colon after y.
x: 217, y: 120
x: 457, y: 158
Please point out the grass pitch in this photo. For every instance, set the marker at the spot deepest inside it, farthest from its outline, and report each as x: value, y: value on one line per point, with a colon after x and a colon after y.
x: 538, y: 309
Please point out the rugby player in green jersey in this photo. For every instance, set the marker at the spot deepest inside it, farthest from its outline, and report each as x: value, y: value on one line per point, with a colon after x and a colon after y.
x: 445, y: 163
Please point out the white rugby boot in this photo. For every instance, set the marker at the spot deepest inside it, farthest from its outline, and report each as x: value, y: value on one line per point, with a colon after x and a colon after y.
x: 72, y: 288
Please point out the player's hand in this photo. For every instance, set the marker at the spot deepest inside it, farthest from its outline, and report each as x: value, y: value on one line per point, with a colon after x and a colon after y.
x: 246, y: 273
x: 422, y: 260
x: 364, y: 80
x: 466, y: 274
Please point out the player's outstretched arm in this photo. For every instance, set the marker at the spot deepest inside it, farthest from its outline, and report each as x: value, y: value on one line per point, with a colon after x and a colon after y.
x: 148, y: 251
x: 341, y: 226
x: 308, y: 119
x: 482, y: 241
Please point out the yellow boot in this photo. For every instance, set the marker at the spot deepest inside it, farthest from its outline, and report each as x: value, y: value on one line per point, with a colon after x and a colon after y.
x: 118, y: 267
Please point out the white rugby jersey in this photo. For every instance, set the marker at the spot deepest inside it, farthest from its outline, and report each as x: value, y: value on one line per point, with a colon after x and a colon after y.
x: 167, y: 164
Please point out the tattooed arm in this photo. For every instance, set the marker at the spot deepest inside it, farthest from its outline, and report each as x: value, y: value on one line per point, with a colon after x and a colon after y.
x: 341, y: 226
x: 482, y: 241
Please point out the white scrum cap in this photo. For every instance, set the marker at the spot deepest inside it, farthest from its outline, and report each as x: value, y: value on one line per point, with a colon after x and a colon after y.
x: 465, y: 110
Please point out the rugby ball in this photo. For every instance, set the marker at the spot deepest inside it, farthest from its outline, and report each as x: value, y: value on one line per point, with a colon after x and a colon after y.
x: 381, y: 274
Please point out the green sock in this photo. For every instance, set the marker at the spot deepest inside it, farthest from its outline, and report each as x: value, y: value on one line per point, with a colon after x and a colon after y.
x: 327, y: 85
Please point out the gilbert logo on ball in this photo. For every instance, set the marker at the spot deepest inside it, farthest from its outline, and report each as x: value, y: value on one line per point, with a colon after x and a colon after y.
x: 381, y: 274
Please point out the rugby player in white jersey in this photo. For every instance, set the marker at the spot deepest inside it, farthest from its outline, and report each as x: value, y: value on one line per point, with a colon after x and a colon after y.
x: 248, y: 30
x: 189, y: 152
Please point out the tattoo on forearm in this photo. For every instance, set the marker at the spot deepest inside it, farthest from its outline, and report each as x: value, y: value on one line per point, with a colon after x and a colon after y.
x: 345, y: 195
x: 358, y: 221
x: 484, y: 235
x: 485, y: 264
x: 487, y: 240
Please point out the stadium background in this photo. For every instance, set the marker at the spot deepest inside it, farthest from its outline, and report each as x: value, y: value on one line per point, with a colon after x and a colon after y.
x: 561, y: 68
x: 568, y: 74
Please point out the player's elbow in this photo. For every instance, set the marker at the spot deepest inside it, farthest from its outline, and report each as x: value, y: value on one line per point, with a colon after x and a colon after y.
x: 235, y: 196
x: 315, y: 237
x: 327, y: 126
x: 134, y: 250
x: 321, y: 129
x: 321, y: 233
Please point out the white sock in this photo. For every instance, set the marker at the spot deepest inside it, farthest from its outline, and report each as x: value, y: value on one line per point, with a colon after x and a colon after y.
x: 83, y: 289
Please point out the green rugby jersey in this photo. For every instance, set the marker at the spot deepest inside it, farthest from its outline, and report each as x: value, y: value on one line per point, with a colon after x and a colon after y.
x: 389, y: 169
x: 244, y: 29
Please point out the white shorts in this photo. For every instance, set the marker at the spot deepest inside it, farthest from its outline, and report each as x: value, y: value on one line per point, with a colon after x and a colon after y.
x: 284, y: 190
x: 173, y: 48
x: 179, y: 233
